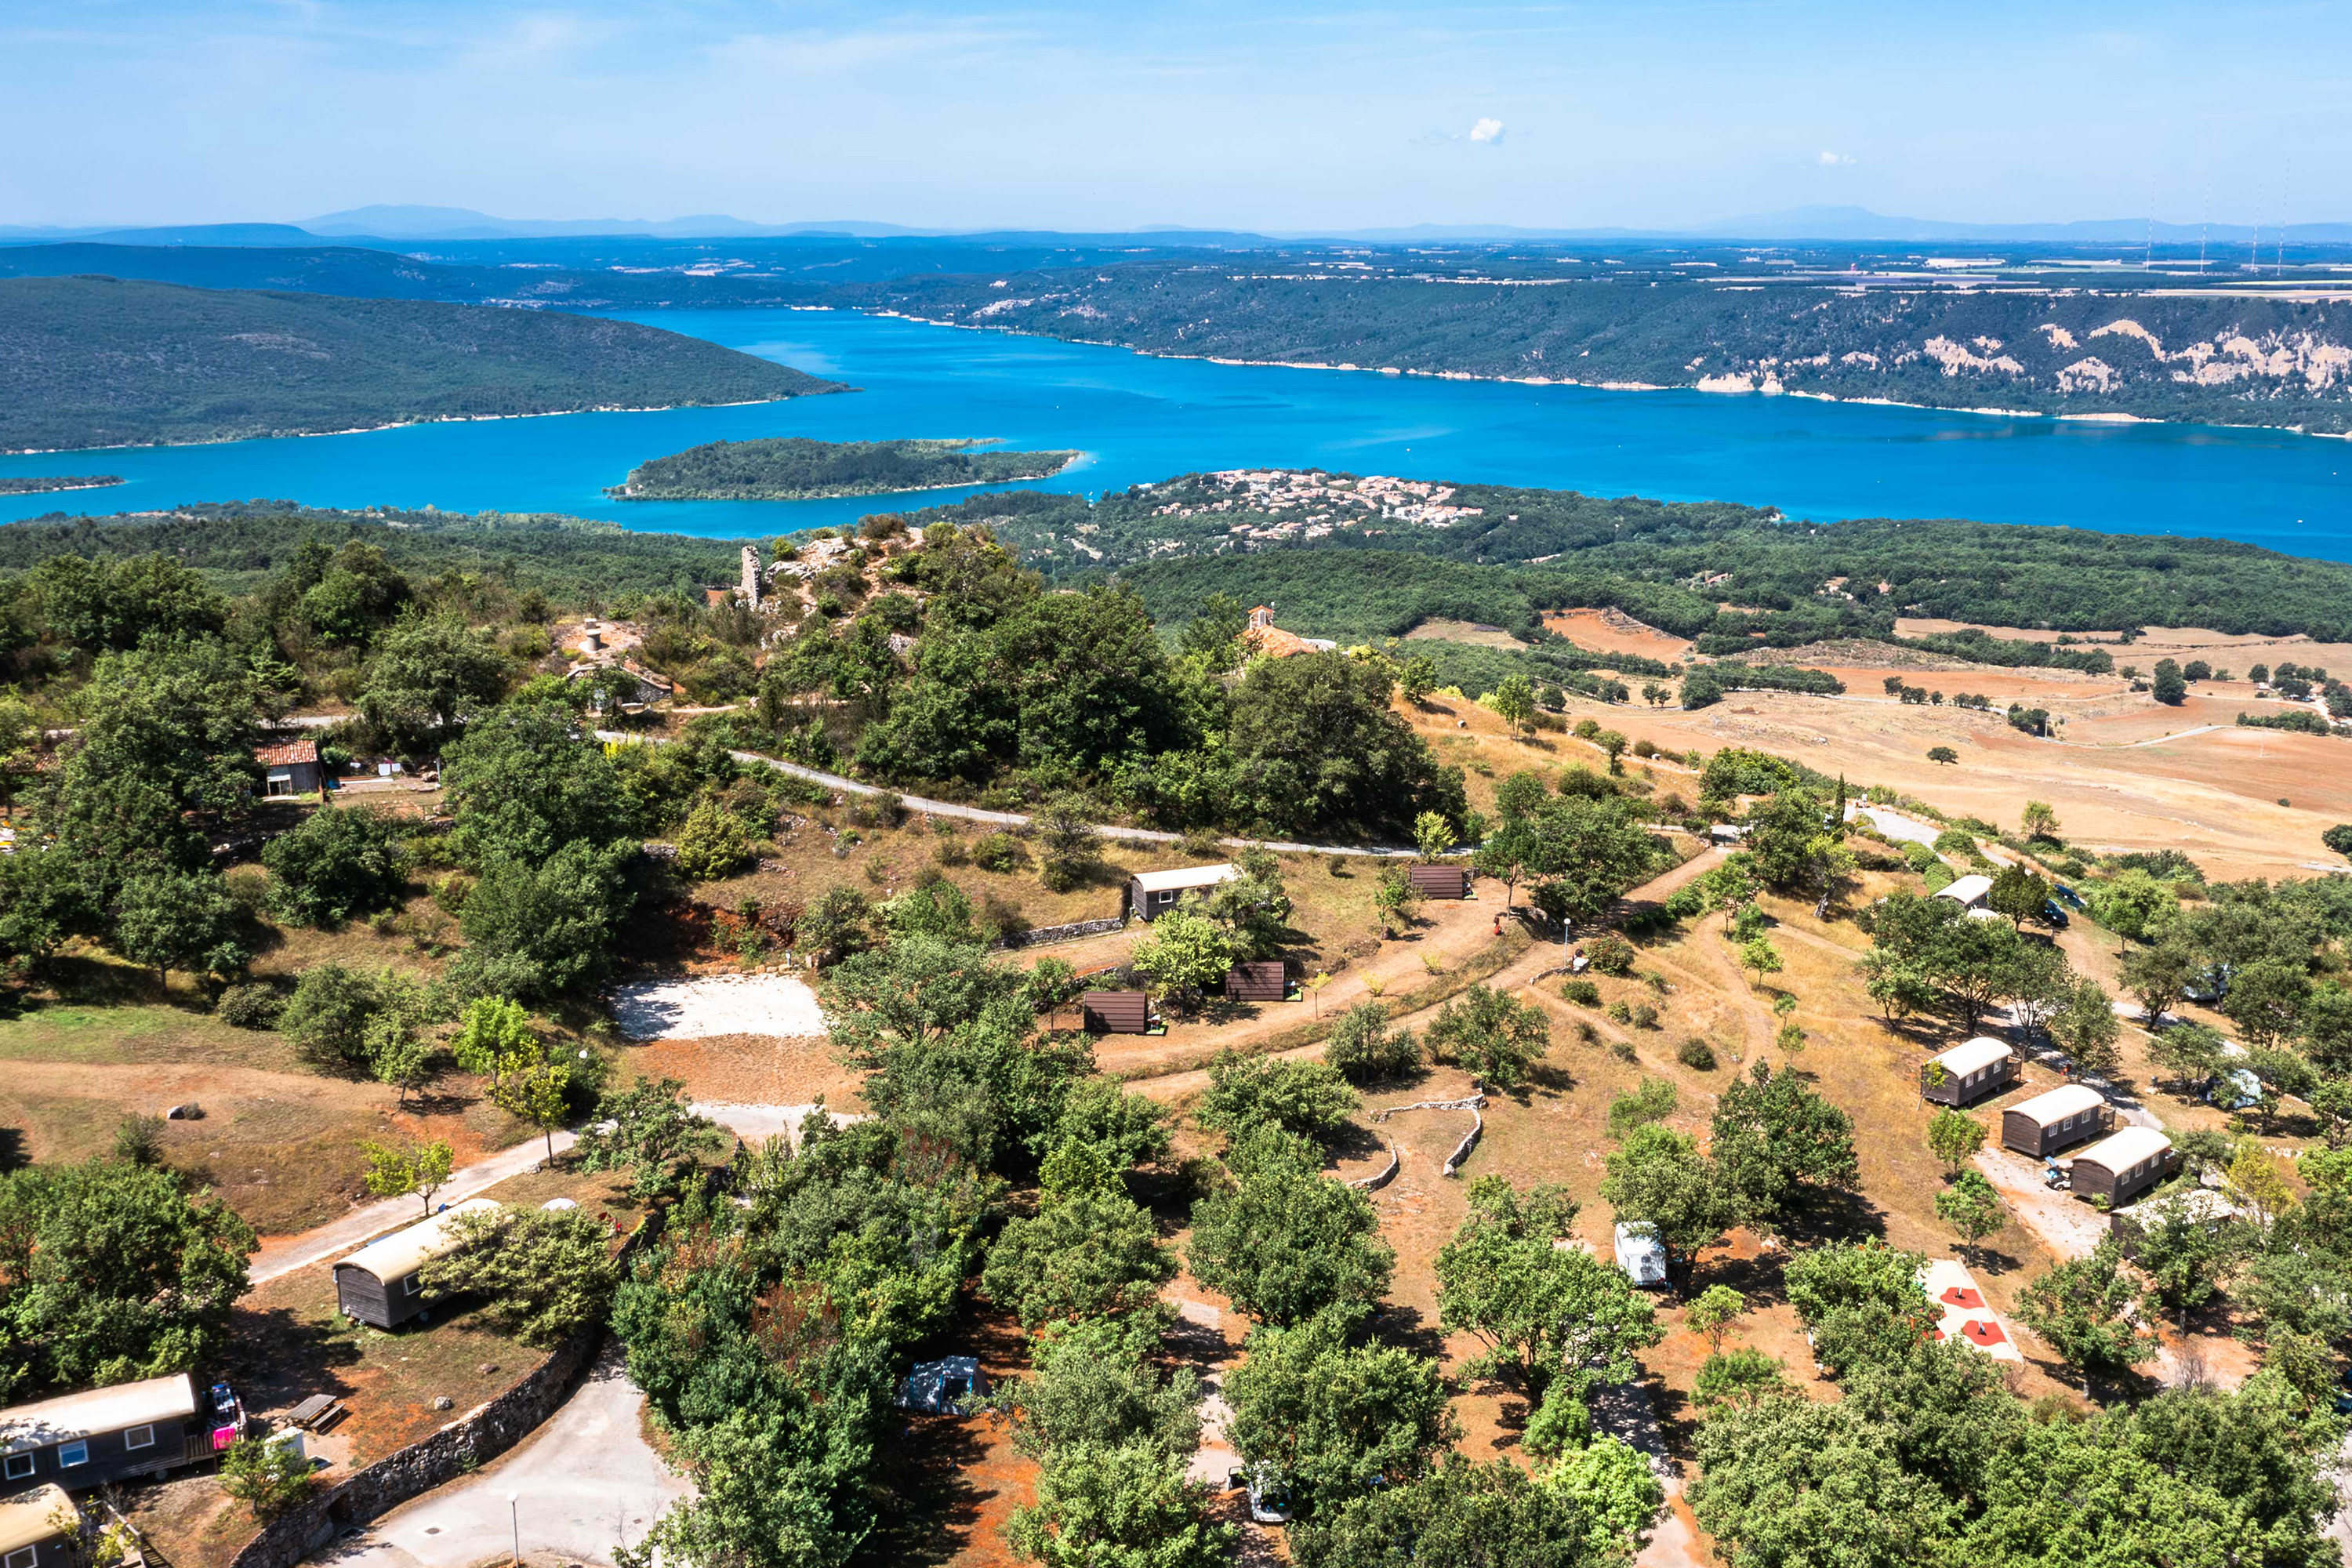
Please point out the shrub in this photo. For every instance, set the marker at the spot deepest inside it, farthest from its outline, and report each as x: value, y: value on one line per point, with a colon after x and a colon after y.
x: 999, y: 852
x: 1654, y: 1100
x: 1619, y: 1012
x: 269, y: 1478
x: 1611, y: 954
x: 251, y: 1004
x: 1583, y: 993
x: 1644, y: 1016
x: 1696, y: 1055
x: 1364, y: 1049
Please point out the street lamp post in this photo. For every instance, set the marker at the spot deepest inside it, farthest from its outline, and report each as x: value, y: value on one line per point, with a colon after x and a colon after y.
x: 514, y: 1519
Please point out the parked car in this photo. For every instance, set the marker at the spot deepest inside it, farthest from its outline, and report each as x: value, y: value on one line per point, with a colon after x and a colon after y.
x: 1269, y: 1494
x: 2209, y: 987
x: 2055, y: 917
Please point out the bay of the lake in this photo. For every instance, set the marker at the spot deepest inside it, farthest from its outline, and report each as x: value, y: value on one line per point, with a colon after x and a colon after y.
x: 1140, y: 418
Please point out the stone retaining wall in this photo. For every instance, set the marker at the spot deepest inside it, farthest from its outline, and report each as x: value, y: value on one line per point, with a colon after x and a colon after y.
x: 1071, y: 932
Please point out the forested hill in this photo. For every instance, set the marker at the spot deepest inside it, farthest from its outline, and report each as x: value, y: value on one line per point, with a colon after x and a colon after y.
x: 98, y: 361
x: 793, y: 467
x: 2213, y: 356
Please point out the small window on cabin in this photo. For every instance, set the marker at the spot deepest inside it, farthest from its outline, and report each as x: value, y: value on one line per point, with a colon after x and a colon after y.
x: 1165, y: 897
x: 19, y: 1466
x: 411, y: 1286
x: 139, y: 1438
x: 23, y: 1557
x: 73, y: 1454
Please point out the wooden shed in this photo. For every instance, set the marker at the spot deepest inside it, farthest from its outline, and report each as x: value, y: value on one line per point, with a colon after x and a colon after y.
x: 1266, y: 981
x: 379, y: 1284
x: 1151, y: 894
x: 1440, y: 882
x: 289, y: 769
x: 82, y: 1440
x: 38, y: 1529
x: 1966, y: 1074
x: 2058, y: 1120
x: 2121, y: 1168
x: 1118, y: 1012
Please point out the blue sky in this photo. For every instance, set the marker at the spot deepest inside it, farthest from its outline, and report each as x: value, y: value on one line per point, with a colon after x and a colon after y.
x: 1269, y: 116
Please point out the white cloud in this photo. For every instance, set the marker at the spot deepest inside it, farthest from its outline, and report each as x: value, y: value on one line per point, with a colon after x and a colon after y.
x: 1486, y: 130
x: 1829, y: 160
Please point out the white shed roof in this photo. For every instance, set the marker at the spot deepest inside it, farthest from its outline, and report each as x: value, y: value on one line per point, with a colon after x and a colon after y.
x: 1967, y: 889
x: 71, y: 1416
x: 31, y: 1517
x: 1184, y: 877
x: 404, y: 1251
x: 1980, y: 1052
x: 2122, y: 1151
x: 2060, y: 1102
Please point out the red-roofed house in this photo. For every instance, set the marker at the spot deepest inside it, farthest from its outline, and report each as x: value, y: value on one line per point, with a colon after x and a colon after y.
x: 288, y: 769
x: 1266, y: 640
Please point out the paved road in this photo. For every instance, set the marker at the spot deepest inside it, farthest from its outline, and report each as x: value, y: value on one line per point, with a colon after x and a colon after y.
x: 583, y: 1481
x: 1012, y: 818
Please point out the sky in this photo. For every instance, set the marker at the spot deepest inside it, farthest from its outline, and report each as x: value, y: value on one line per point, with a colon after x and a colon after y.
x: 1268, y: 115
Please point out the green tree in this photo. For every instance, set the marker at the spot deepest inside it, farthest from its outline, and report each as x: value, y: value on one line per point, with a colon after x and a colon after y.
x: 2085, y: 1025
x: 1326, y: 1412
x: 1658, y: 1177
x: 2086, y: 1308
x: 543, y: 1274
x: 2168, y: 688
x: 2134, y: 905
x: 1460, y: 1516
x: 1432, y: 835
x: 431, y: 678
x: 1944, y: 755
x: 2039, y: 822
x: 1773, y: 1137
x: 2266, y: 999
x: 99, y: 604
x: 327, y: 1016
x: 111, y: 1271
x: 649, y: 1128
x: 1786, y: 1483
x: 1394, y: 901
x: 335, y: 865
x: 2019, y: 894
x: 1585, y: 855
x: 495, y: 1038
x: 1246, y: 1093
x: 525, y: 785
x: 418, y: 1172
x: 1284, y: 1243
x: 538, y: 1094
x: 1712, y: 1313
x: 1952, y: 1137
x: 1493, y: 1036
x: 398, y: 1055
x: 1317, y: 751
x: 1612, y: 1482
x: 539, y: 928
x: 1069, y: 846
x: 1539, y: 1309
x: 1972, y: 1207
x: 172, y: 919
x: 2187, y: 1053
x: 1213, y: 634
x: 1129, y: 1129
x: 1513, y: 702
x: 1090, y: 1383
x: 269, y: 1478
x: 835, y: 925
x: 712, y: 843
x: 1084, y: 1256
x: 1735, y: 1378
x: 1760, y: 956
x: 1185, y: 953
x: 1128, y: 1506
x: 2184, y: 1254
x: 1363, y: 1048
x: 1417, y: 677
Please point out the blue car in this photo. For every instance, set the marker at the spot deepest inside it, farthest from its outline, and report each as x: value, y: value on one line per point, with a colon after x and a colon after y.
x: 2055, y: 917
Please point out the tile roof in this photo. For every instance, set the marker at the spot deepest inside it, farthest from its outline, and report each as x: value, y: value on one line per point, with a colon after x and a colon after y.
x: 287, y: 753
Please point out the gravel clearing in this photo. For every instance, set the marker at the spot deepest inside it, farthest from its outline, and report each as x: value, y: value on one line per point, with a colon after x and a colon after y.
x: 776, y: 1005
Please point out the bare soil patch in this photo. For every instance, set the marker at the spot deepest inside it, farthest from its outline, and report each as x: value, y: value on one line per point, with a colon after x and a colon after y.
x: 1472, y: 632
x: 685, y: 1009
x: 1615, y: 631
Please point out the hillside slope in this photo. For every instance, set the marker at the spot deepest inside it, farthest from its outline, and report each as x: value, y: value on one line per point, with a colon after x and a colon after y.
x: 98, y: 361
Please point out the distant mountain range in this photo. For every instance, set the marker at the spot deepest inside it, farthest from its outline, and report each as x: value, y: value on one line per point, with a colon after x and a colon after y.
x: 408, y: 225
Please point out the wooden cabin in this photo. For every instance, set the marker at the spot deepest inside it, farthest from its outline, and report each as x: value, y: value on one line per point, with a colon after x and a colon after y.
x: 1440, y: 882
x: 1966, y: 1074
x: 2121, y: 1168
x: 1265, y: 981
x: 84, y: 1440
x: 1117, y: 1012
x: 380, y: 1283
x: 1151, y: 894
x: 2061, y: 1118
x: 39, y: 1529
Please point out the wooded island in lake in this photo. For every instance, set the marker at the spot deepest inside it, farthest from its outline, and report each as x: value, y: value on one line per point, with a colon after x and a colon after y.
x: 793, y: 467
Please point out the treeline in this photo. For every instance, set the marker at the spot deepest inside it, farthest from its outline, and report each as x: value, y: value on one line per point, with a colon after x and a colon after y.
x: 237, y: 547
x: 1922, y: 345
x: 96, y: 362
x: 36, y: 484
x: 1705, y: 685
x: 793, y: 467
x: 1979, y: 647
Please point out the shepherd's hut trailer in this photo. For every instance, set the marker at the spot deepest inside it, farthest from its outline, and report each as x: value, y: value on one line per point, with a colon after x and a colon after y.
x: 1151, y: 894
x: 1966, y: 1074
x: 2121, y: 1168
x: 2058, y: 1120
x: 83, y: 1440
x: 1440, y: 882
x: 381, y: 1283
x: 1117, y: 1012
x: 37, y: 1529
x: 1257, y: 981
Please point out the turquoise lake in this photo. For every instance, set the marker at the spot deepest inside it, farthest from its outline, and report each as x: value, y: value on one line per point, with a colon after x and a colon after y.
x: 1140, y: 418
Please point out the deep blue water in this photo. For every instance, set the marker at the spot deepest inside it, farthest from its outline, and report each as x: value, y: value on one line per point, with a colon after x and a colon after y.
x: 1140, y: 418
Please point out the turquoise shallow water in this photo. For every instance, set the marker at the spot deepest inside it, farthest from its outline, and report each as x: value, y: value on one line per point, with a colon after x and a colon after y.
x: 1140, y: 418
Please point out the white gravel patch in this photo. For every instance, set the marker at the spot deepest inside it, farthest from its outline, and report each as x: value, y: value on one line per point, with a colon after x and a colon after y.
x: 780, y: 1004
